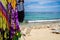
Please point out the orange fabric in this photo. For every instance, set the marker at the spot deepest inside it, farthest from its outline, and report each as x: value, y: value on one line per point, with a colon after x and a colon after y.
x: 13, y: 3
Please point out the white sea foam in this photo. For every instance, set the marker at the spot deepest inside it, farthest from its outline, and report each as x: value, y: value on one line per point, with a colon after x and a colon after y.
x: 44, y: 20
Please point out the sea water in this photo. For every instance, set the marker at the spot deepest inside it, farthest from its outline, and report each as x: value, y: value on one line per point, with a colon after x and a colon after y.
x: 42, y: 15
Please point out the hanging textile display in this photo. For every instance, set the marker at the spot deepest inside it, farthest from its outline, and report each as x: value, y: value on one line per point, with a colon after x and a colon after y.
x: 9, y: 25
x: 3, y: 23
x: 20, y: 9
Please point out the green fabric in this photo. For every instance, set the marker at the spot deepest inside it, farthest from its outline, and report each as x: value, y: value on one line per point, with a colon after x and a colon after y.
x: 19, y: 34
x: 15, y: 38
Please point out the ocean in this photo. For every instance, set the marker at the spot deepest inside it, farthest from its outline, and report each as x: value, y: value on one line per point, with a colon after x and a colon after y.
x: 41, y: 16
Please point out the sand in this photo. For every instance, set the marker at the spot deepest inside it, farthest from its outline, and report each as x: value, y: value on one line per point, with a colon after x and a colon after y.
x: 40, y: 31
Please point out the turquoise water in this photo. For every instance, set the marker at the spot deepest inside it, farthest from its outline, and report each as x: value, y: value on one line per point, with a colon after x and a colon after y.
x: 42, y: 15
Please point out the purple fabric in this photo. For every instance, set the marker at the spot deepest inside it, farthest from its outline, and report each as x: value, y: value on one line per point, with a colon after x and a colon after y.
x: 14, y: 21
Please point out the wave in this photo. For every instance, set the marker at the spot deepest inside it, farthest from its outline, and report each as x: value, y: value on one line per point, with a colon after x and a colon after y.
x: 43, y: 20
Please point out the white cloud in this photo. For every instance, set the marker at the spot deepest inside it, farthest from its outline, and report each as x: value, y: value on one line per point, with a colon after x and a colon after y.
x: 45, y: 2
x: 39, y: 0
x: 30, y: 0
x: 42, y: 8
x: 39, y: 5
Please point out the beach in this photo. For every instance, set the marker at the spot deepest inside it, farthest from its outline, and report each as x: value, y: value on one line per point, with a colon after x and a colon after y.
x: 40, y: 31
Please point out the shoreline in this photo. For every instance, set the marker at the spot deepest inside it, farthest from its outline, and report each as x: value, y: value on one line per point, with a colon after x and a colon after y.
x: 34, y: 21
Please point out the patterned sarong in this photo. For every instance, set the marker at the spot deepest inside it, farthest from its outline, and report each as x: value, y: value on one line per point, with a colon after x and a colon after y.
x: 9, y: 25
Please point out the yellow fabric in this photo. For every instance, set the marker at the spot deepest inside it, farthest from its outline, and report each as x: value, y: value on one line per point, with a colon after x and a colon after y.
x: 13, y: 3
x: 0, y: 19
x: 9, y: 1
x: 4, y: 2
x: 3, y: 22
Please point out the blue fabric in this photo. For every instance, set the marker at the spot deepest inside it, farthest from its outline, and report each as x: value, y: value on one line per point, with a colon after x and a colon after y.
x: 20, y: 6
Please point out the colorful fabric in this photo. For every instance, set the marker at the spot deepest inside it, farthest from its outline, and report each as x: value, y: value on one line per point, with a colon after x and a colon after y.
x: 19, y: 5
x: 4, y: 3
x: 9, y: 25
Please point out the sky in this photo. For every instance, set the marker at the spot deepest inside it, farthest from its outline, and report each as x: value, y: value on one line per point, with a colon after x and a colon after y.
x: 42, y: 5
